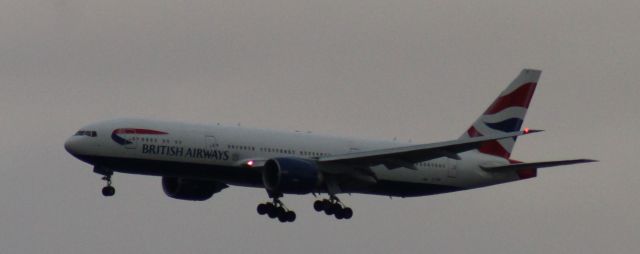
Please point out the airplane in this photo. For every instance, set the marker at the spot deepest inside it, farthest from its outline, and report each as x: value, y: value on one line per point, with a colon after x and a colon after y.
x: 196, y: 161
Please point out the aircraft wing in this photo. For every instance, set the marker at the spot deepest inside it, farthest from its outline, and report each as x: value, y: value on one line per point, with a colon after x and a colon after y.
x: 543, y: 164
x: 408, y: 155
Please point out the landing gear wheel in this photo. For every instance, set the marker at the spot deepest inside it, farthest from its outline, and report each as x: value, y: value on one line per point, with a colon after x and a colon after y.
x: 287, y: 216
x: 276, y: 209
x: 108, y: 191
x: 329, y: 211
x: 325, y: 204
x: 318, y: 205
x: 348, y: 213
x: 282, y: 217
x: 339, y: 214
x: 272, y: 211
x: 291, y: 216
x: 333, y: 207
x: 262, y: 209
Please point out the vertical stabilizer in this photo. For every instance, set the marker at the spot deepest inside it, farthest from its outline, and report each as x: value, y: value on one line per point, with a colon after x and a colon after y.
x: 505, y: 114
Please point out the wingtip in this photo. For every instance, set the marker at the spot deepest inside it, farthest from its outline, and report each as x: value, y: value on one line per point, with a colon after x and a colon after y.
x: 529, y: 131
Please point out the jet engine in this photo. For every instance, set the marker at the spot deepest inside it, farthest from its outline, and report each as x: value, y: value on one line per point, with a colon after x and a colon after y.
x: 190, y: 189
x: 291, y: 175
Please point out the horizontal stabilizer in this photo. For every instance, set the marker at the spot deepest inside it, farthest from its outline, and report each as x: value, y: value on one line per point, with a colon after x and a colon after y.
x: 543, y: 164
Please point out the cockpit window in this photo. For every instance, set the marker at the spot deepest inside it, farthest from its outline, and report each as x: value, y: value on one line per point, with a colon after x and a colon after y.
x: 86, y: 133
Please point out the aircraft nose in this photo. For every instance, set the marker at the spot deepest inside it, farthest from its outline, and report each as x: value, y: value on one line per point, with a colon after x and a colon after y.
x: 71, y: 145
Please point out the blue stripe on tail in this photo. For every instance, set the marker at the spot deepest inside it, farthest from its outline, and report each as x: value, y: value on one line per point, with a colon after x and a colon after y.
x: 509, y: 125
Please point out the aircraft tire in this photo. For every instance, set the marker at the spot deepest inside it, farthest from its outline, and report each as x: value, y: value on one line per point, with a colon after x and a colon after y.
x: 291, y: 216
x: 318, y: 206
x: 262, y: 209
x: 325, y: 204
x: 348, y: 213
x: 272, y: 211
x: 283, y: 217
x: 329, y: 211
x: 108, y: 191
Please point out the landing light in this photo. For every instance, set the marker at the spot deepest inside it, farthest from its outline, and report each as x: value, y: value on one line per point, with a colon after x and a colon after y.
x: 526, y: 130
x: 250, y: 163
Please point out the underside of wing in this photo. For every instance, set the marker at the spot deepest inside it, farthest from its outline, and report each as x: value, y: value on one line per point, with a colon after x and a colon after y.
x: 535, y: 165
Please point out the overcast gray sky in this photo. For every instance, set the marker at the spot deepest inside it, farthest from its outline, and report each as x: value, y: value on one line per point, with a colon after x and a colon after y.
x: 420, y: 70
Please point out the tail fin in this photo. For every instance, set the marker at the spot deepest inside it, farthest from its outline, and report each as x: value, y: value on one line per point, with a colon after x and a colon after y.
x: 505, y: 114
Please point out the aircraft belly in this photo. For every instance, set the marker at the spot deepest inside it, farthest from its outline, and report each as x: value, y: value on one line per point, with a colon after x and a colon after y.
x: 407, y: 189
x: 225, y: 174
x: 405, y: 182
x: 417, y: 176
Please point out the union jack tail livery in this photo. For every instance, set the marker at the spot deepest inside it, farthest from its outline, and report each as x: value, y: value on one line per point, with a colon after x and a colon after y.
x: 197, y: 161
x: 505, y: 114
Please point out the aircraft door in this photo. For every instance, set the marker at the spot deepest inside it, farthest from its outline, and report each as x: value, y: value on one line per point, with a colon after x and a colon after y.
x: 211, y: 142
x: 452, y: 170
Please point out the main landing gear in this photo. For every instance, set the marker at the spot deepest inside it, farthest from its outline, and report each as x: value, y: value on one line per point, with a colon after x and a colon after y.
x: 108, y: 190
x: 276, y: 209
x: 333, y: 206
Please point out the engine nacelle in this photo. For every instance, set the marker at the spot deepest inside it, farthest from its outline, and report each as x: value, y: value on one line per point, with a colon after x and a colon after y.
x: 291, y: 175
x: 190, y: 189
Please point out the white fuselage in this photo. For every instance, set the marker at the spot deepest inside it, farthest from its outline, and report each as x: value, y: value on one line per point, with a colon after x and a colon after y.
x: 221, y: 153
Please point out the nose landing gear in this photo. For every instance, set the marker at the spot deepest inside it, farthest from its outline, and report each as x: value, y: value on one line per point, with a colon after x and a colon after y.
x: 108, y: 190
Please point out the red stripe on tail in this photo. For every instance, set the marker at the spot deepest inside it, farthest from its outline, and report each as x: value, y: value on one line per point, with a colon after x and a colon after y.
x: 490, y: 147
x: 521, y: 97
